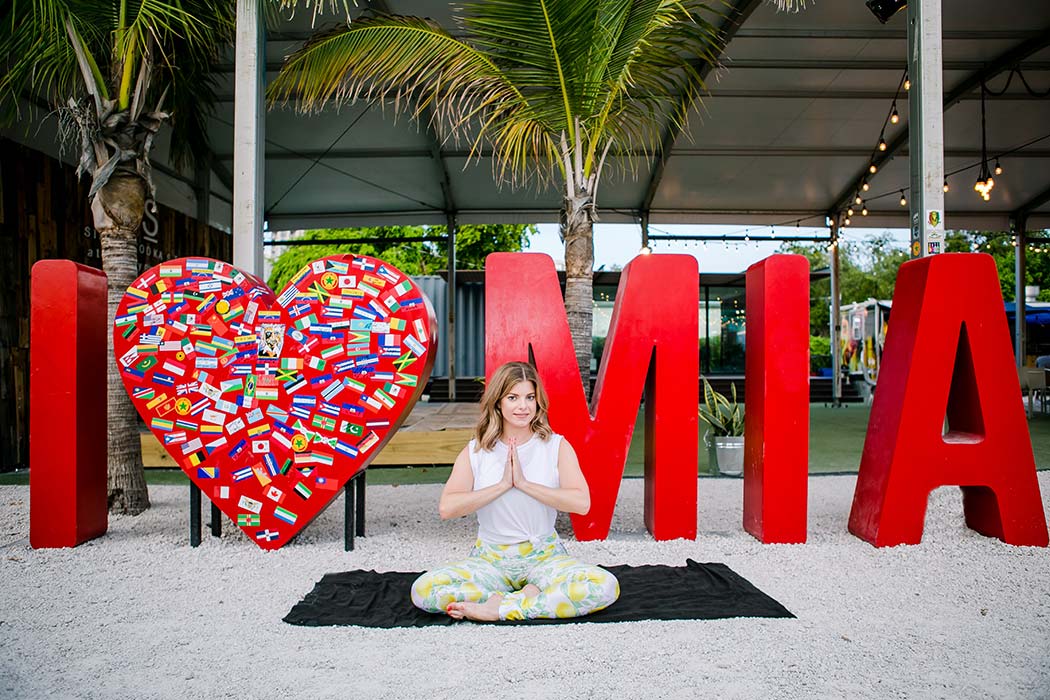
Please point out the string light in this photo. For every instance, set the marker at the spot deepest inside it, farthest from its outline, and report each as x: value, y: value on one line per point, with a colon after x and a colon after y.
x: 857, y: 199
x: 904, y: 201
x: 872, y: 169
x: 849, y: 212
x: 998, y: 168
x: 865, y: 186
x: 864, y: 211
x: 985, y: 181
x: 882, y: 143
x: 907, y: 82
x: 946, y: 188
x: 894, y: 116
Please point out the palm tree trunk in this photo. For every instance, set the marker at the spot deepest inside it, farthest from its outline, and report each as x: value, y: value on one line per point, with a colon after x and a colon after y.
x: 118, y: 209
x: 577, y: 232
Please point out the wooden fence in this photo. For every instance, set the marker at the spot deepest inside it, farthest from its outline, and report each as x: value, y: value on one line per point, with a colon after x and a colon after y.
x: 44, y: 213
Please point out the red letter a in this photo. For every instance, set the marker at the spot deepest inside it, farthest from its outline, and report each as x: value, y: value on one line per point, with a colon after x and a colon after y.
x: 948, y: 355
x: 652, y: 343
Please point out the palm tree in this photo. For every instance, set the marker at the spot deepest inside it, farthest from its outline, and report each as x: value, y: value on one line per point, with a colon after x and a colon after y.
x: 554, y: 86
x: 115, y: 71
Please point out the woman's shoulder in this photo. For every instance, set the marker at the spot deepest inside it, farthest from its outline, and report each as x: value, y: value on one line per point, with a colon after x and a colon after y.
x: 555, y: 440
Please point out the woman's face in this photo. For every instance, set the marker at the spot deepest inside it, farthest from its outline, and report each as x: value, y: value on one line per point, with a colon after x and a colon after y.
x: 518, y: 406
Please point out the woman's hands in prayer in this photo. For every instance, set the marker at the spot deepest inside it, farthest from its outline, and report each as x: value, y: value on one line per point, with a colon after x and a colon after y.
x: 513, y: 475
x: 507, y: 482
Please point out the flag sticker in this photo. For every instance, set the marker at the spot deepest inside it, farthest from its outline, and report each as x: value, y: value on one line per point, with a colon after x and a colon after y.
x: 285, y: 515
x: 272, y: 396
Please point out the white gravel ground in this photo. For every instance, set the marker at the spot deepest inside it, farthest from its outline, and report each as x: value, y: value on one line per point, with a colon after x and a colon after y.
x: 139, y: 614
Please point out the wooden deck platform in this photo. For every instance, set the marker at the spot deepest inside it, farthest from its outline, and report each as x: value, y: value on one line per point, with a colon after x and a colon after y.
x: 433, y: 433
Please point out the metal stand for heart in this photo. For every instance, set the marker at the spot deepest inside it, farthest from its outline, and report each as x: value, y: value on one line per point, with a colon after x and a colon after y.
x: 353, y: 500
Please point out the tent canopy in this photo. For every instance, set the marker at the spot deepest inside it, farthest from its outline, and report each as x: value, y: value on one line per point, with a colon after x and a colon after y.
x: 786, y: 132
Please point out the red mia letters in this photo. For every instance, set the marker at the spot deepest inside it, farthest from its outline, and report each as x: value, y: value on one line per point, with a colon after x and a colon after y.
x: 947, y: 359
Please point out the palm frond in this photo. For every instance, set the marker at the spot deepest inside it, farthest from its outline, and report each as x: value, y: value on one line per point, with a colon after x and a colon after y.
x: 414, y: 66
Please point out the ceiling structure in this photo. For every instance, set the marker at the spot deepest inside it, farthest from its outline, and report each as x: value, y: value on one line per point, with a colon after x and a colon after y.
x: 784, y: 136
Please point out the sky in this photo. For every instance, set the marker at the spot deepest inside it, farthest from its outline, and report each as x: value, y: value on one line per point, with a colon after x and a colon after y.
x: 616, y: 244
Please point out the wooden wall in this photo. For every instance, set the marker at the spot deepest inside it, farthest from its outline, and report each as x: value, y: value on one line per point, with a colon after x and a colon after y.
x: 44, y: 214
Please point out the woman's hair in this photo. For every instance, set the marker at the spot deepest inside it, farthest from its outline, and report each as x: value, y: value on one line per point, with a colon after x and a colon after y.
x: 489, y: 428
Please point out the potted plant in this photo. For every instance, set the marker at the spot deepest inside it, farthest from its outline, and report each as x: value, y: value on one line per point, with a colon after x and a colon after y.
x: 725, y: 435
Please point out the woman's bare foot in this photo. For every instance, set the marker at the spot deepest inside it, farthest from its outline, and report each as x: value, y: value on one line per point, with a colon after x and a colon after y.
x: 482, y: 612
x: 531, y: 590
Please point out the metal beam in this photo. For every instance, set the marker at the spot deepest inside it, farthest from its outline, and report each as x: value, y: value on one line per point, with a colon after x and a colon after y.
x: 752, y: 94
x: 877, y: 33
x: 776, y: 64
x: 1004, y: 62
x: 735, y: 16
x: 1032, y: 204
x: 838, y: 64
x: 787, y: 33
x: 710, y: 152
x: 218, y: 167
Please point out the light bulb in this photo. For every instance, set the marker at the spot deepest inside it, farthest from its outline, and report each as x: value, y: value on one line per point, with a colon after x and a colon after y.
x: 904, y: 201
x: 864, y: 211
x: 849, y: 212
x: 857, y: 199
x: 847, y: 221
x: 882, y: 144
x: 894, y: 117
x: 946, y: 188
x: 907, y: 83
x: 865, y: 186
x: 990, y: 183
x: 998, y: 168
x: 873, y: 169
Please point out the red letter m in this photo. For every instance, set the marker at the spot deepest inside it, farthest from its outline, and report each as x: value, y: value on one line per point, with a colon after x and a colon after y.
x: 652, y: 345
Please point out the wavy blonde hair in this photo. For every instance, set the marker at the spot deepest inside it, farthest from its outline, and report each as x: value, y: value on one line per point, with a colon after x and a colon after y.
x: 489, y: 428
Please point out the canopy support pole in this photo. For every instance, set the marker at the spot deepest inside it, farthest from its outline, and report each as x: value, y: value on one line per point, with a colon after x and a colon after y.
x: 1019, y: 223
x: 451, y: 304
x: 836, y: 328
x: 249, y: 119
x: 926, y: 127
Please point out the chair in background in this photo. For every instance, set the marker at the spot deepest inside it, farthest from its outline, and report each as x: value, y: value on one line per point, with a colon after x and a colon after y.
x: 1034, y: 382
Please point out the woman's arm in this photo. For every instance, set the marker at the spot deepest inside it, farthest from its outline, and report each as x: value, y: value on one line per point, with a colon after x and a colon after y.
x: 459, y: 498
x: 573, y: 496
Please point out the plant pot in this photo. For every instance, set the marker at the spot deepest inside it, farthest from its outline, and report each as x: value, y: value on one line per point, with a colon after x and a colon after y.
x: 726, y: 454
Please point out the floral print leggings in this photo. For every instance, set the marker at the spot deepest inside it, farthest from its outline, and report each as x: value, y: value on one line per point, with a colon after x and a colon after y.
x: 568, y: 588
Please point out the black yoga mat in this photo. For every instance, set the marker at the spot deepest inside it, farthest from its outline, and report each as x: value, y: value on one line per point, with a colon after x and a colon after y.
x: 653, y: 592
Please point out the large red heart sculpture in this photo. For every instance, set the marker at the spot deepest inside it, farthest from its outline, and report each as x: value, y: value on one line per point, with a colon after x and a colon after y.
x: 271, y: 404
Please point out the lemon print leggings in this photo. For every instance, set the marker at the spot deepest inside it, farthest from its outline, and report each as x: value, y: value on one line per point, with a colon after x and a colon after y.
x: 568, y: 588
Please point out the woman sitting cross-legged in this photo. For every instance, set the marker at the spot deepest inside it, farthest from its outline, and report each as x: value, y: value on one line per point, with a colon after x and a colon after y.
x: 516, y: 474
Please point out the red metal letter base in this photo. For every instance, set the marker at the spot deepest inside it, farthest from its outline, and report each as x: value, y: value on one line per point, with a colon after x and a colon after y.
x: 67, y: 404
x: 948, y: 356
x: 652, y: 344
x: 776, y: 434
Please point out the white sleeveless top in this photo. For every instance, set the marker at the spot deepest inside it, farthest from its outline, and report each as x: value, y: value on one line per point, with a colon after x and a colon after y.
x: 516, y: 516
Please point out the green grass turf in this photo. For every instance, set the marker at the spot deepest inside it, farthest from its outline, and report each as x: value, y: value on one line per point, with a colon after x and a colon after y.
x: 836, y: 440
